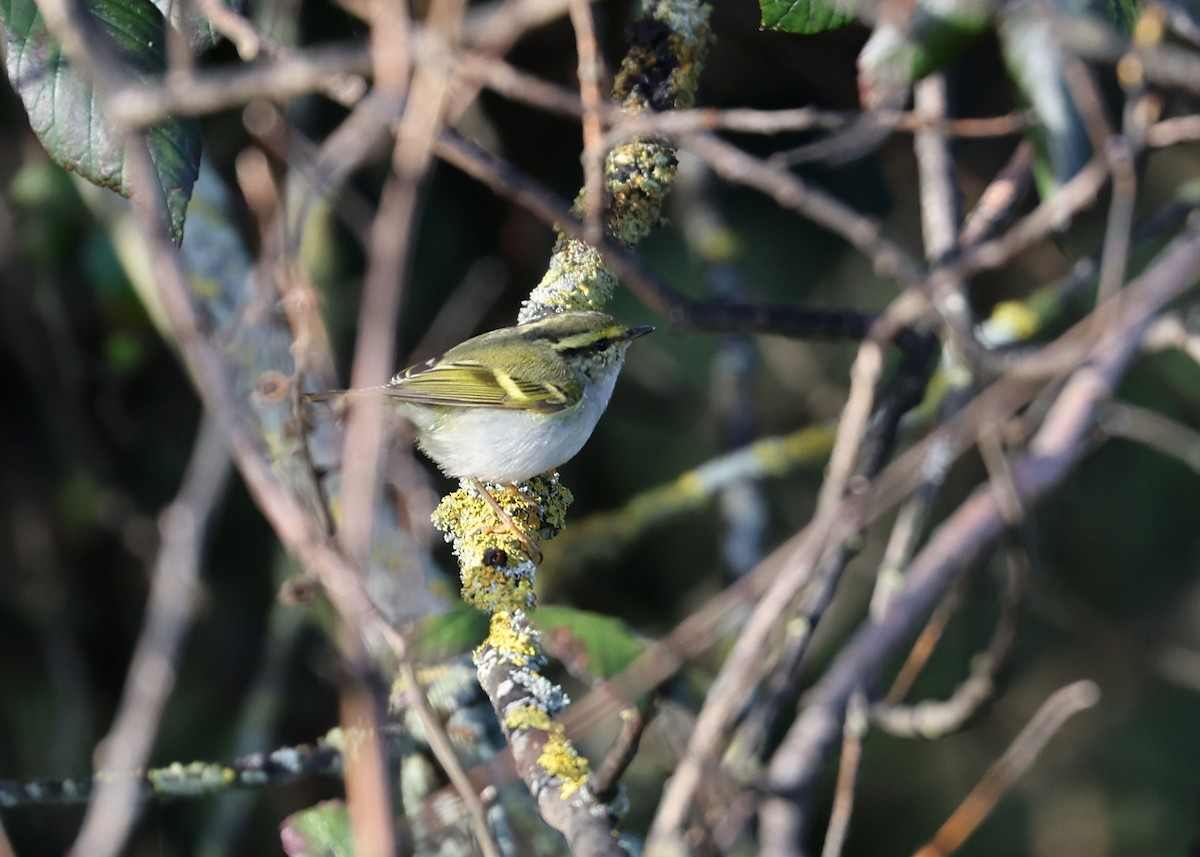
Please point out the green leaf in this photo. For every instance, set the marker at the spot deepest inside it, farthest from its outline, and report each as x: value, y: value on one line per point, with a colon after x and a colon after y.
x: 1035, y: 61
x: 62, y: 106
x: 320, y: 831
x: 1124, y: 13
x: 599, y: 645
x: 201, y: 34
x: 440, y: 637
x: 803, y: 17
x: 900, y: 53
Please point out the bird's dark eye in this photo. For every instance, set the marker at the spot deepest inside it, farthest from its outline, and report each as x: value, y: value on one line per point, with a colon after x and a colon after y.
x: 600, y: 344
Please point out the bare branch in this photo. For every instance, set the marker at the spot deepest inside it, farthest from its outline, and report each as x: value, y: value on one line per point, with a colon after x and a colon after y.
x: 1051, y: 456
x: 1062, y: 705
x: 152, y: 669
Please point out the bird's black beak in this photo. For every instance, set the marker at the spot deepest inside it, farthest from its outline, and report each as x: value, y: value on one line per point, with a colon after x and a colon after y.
x: 635, y: 332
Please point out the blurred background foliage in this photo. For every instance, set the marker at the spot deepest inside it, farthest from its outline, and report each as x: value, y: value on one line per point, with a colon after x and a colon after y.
x: 99, y: 418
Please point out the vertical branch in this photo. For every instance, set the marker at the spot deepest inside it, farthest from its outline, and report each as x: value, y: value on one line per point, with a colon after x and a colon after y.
x: 151, y: 676
x: 390, y: 257
x: 939, y: 228
x: 590, y: 75
x: 659, y: 72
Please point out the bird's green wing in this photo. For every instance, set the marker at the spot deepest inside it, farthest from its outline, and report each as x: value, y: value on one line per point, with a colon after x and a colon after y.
x: 466, y: 384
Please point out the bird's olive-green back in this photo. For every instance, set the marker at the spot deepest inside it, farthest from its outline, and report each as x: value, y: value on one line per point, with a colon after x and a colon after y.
x: 539, y: 366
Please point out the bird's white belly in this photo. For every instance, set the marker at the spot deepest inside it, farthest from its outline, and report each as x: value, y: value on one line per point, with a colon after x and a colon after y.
x: 498, y: 445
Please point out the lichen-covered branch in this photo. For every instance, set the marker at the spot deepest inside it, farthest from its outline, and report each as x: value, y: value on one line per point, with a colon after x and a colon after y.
x: 192, y: 780
x: 660, y: 72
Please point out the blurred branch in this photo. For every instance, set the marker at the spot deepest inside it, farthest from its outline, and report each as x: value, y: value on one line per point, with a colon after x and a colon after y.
x: 803, y: 565
x: 847, y: 776
x: 1166, y: 64
x: 681, y: 311
x: 1159, y: 432
x: 606, y: 535
x: 936, y: 719
x: 1052, y: 454
x: 940, y: 216
x: 1000, y: 198
x: 196, y: 779
x: 606, y: 781
x: 152, y: 669
x: 1062, y: 705
x: 779, y: 672
x: 1050, y: 215
x: 1170, y: 331
x: 283, y: 486
x: 140, y: 105
x: 790, y: 192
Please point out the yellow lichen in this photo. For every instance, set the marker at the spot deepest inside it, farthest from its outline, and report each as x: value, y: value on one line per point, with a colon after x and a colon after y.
x: 496, y: 572
x: 516, y: 644
x: 561, y: 760
x: 525, y: 717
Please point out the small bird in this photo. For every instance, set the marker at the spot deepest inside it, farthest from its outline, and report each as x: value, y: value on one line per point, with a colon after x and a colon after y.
x: 507, y: 405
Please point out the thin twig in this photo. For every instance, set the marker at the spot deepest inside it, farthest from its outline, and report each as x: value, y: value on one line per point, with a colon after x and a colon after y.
x: 1052, y: 455
x: 843, y: 793
x: 140, y: 105
x: 1119, y: 225
x: 1051, y: 215
x: 152, y: 669
x: 1155, y: 430
x: 655, y: 291
x: 790, y: 192
x: 590, y: 74
x: 934, y: 719
x: 607, y: 778
x: 739, y: 672
x: 1062, y: 705
x: 1000, y: 198
x: 443, y: 749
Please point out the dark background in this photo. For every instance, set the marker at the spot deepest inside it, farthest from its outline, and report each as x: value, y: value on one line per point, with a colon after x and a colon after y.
x: 98, y: 419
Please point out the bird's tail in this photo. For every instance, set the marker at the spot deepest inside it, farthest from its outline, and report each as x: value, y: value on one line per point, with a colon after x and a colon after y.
x: 340, y: 396
x: 325, y: 396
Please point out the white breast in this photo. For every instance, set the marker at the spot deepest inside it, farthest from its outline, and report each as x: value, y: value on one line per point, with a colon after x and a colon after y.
x: 510, y: 446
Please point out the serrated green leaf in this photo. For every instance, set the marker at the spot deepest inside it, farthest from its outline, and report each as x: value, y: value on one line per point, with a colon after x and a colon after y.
x: 802, y: 17
x: 62, y: 107
x: 320, y: 831
x: 599, y: 645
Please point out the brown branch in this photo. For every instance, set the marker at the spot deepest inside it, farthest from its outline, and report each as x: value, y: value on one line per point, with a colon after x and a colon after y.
x: 590, y: 75
x: 934, y: 719
x: 1051, y: 456
x: 1062, y: 705
x: 742, y: 668
x: 848, y: 766
x: 150, y: 678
